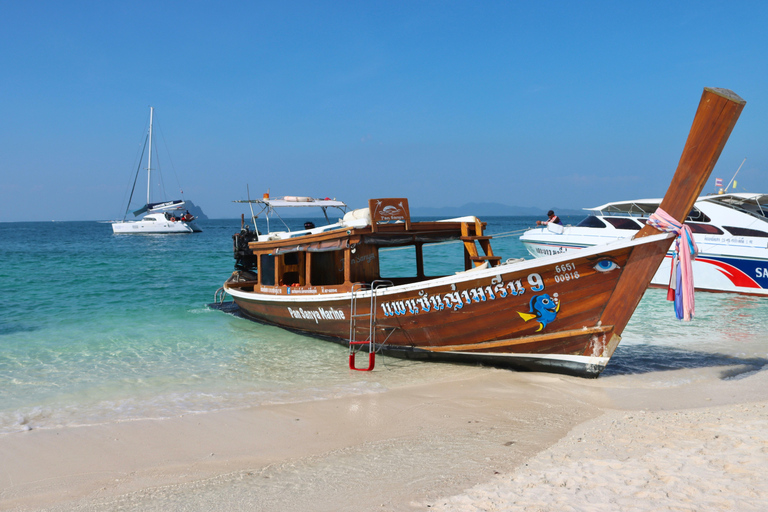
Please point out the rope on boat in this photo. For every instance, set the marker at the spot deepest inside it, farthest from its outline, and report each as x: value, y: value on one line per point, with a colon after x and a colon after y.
x: 509, y: 233
x: 494, y: 235
x: 681, y: 276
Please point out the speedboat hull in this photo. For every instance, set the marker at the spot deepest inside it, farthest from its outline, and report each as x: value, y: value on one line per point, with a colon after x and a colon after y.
x: 725, y: 263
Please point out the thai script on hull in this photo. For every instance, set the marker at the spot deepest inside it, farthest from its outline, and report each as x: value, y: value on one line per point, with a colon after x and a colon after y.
x: 457, y: 299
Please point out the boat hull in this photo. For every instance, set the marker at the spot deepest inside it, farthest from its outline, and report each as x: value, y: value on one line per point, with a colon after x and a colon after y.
x: 546, y: 314
x: 560, y: 313
x: 154, y: 227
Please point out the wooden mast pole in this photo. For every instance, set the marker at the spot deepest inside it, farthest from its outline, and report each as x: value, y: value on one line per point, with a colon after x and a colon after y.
x: 718, y: 111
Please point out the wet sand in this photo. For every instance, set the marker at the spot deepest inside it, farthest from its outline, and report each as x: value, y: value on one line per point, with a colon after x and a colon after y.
x: 494, y: 440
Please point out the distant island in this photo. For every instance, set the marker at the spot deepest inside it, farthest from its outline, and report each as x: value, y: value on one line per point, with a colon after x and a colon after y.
x: 489, y: 209
x: 478, y: 209
x: 195, y: 210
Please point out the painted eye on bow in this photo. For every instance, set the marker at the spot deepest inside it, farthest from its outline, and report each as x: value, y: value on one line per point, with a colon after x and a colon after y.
x: 606, y: 265
x: 545, y: 302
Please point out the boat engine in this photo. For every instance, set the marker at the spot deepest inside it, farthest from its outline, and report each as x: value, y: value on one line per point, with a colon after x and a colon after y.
x: 244, y: 257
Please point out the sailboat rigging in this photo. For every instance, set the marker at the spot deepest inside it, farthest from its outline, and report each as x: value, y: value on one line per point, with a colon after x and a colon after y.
x: 161, y: 216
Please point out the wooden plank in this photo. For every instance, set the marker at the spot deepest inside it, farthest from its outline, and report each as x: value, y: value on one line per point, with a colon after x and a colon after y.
x: 519, y: 341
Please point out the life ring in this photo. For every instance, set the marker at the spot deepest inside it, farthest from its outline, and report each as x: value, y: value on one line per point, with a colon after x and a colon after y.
x: 298, y: 199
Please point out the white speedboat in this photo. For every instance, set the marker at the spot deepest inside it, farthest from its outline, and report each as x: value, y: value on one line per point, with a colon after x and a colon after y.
x: 163, y: 217
x: 731, y: 231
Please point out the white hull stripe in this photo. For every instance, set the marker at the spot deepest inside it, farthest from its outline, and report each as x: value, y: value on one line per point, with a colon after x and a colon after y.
x: 584, y: 360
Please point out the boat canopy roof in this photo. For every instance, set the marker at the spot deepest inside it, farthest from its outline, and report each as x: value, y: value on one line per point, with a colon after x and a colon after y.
x: 742, y: 200
x: 167, y: 205
x: 268, y: 205
x: 635, y: 207
x: 739, y: 199
x: 160, y: 207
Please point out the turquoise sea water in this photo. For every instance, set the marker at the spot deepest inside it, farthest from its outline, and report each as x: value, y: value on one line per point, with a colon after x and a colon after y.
x: 96, y: 327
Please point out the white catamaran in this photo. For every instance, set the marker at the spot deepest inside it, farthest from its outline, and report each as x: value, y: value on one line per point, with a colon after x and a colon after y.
x: 162, y: 217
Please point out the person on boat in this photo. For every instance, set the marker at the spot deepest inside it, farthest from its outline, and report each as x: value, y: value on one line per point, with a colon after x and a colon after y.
x: 552, y: 219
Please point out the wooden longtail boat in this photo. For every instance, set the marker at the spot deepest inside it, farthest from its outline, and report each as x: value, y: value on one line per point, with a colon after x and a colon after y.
x: 563, y: 313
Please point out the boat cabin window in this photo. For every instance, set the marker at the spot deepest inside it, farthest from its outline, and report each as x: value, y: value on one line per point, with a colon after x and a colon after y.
x: 746, y: 232
x: 442, y: 259
x: 291, y: 268
x: 622, y: 223
x: 327, y: 268
x: 267, y: 270
x: 697, y: 215
x: 591, y: 222
x: 397, y: 262
x: 707, y: 229
x: 410, y: 262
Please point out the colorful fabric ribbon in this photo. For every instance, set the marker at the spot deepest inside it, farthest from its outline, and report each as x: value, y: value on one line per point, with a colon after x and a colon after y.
x: 681, y: 277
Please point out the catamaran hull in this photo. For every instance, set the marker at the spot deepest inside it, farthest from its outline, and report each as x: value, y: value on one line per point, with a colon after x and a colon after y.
x: 547, y: 315
x: 140, y: 227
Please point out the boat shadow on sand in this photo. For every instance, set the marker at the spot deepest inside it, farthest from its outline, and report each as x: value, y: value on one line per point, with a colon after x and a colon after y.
x: 639, y: 359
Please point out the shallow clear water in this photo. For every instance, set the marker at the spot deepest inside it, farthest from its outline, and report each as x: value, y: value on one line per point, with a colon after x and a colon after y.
x: 96, y: 327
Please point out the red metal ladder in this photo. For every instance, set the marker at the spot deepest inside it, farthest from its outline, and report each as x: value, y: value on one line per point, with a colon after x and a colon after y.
x: 355, y: 345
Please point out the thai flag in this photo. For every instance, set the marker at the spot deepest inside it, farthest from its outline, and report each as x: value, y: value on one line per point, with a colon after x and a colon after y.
x: 718, y: 182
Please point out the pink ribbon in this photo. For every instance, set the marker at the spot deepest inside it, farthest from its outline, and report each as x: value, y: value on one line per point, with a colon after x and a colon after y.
x: 681, y: 276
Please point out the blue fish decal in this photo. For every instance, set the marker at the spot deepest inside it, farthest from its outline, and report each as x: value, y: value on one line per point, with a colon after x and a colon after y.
x: 543, y: 308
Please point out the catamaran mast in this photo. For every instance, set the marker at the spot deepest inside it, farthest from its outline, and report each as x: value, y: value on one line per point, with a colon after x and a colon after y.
x: 149, y: 158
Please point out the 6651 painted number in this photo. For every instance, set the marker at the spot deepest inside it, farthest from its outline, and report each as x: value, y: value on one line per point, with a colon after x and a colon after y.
x: 566, y: 272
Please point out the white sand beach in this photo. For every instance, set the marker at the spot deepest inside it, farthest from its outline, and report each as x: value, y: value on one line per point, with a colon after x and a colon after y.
x: 494, y: 440
x: 695, y: 459
x: 665, y: 449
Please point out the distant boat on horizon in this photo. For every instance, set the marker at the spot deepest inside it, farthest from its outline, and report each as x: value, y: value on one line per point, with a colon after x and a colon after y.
x: 160, y: 216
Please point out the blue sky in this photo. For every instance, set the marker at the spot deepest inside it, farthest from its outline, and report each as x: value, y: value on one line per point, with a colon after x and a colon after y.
x: 545, y: 104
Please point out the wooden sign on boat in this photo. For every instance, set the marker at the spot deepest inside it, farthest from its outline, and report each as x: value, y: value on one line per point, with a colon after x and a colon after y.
x: 389, y: 210
x: 562, y: 313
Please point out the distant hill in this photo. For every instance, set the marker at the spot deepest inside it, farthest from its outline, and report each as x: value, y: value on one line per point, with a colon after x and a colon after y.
x: 488, y: 209
x: 195, y: 210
